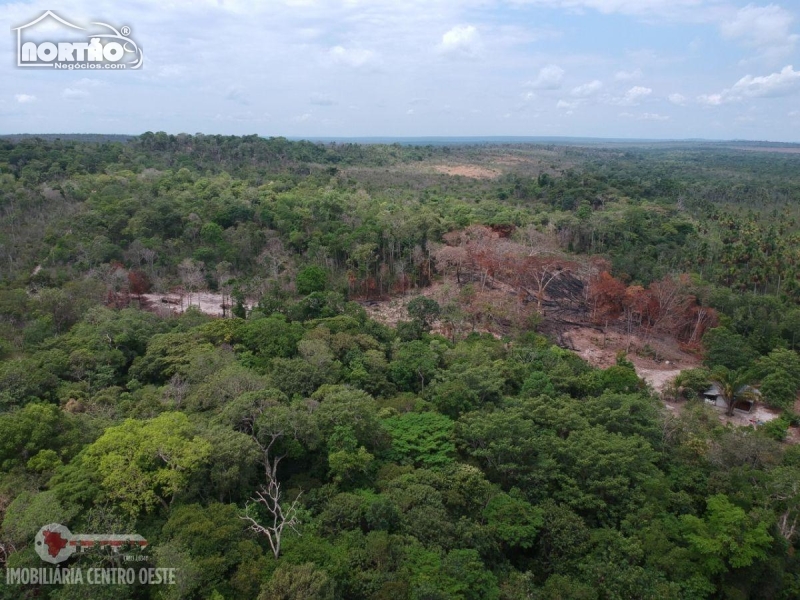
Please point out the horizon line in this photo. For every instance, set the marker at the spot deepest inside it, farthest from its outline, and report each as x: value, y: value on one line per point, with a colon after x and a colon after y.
x: 381, y: 138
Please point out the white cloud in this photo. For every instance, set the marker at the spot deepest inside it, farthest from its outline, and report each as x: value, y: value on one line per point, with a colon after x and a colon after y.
x: 24, y: 98
x: 568, y: 104
x: 764, y: 28
x: 587, y: 89
x: 784, y: 83
x: 461, y: 40
x: 549, y: 78
x: 352, y: 57
x: 678, y: 99
x: 645, y: 116
x: 710, y: 99
x: 627, y: 75
x: 777, y: 84
x: 323, y: 50
x: 633, y: 96
x: 74, y: 94
x: 684, y: 10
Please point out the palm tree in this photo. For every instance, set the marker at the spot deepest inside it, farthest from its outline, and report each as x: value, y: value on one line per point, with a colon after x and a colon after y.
x: 733, y: 386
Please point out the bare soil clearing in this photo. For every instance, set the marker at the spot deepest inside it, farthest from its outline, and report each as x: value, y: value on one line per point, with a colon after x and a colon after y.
x: 759, y: 414
x: 205, y: 302
x: 657, y: 360
x: 465, y: 170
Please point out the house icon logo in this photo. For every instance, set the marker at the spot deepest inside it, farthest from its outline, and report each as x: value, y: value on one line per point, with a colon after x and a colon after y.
x: 70, y: 46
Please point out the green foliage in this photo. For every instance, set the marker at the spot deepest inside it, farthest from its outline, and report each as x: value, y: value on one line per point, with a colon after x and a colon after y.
x: 167, y: 354
x: 780, y: 377
x: 777, y: 429
x: 298, y: 582
x: 692, y: 383
x: 513, y: 521
x: 725, y: 348
x: 211, y: 541
x: 346, y: 459
x: 734, y: 385
x: 311, y: 279
x: 413, y: 365
x: 538, y: 384
x: 23, y: 380
x: 424, y: 467
x: 30, y: 511
x: 27, y: 432
x: 424, y: 309
x: 271, y: 337
x: 621, y: 379
x: 727, y: 537
x: 421, y: 439
x: 143, y: 464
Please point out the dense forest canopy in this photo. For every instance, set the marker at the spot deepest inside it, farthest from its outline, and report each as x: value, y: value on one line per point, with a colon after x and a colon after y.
x: 297, y: 448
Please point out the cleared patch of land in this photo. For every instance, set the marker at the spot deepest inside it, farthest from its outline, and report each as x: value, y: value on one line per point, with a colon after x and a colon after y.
x: 465, y: 170
x: 173, y: 303
x: 657, y: 360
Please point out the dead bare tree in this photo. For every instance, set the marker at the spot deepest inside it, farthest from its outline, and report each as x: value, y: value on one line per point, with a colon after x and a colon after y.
x: 191, y: 273
x: 537, y: 273
x: 270, y: 424
x: 279, y: 516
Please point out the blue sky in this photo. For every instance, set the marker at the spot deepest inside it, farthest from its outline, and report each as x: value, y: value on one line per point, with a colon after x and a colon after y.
x: 719, y: 69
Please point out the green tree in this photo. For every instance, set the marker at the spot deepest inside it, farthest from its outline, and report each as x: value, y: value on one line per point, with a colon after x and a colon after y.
x: 30, y: 511
x: 298, y: 582
x: 31, y: 429
x: 413, y: 365
x: 311, y: 279
x: 211, y: 538
x: 780, y: 377
x: 727, y: 537
x: 513, y: 521
x: 424, y: 309
x: 143, y: 464
x: 23, y: 380
x: 346, y: 459
x: 725, y: 348
x: 421, y: 439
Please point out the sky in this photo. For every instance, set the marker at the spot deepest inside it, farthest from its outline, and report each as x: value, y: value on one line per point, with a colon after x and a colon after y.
x: 664, y: 69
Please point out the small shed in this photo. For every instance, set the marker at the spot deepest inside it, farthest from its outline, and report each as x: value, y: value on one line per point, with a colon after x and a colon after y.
x: 713, y: 396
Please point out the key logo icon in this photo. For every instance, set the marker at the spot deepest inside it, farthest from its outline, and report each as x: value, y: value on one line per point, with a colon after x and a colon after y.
x: 55, y: 543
